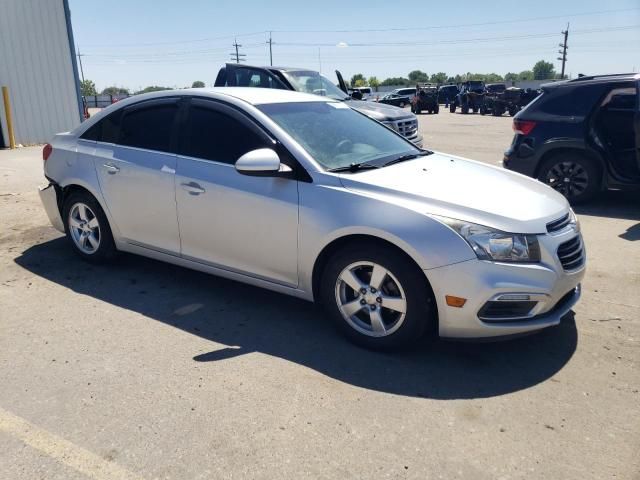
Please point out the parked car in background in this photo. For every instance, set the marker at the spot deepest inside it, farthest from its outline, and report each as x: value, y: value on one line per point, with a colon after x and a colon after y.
x: 425, y: 99
x: 396, y: 100
x: 447, y: 93
x: 408, y: 92
x: 309, y: 81
x: 580, y: 136
x: 305, y: 196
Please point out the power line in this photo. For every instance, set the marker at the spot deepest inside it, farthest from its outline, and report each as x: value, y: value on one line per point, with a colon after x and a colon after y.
x: 433, y: 27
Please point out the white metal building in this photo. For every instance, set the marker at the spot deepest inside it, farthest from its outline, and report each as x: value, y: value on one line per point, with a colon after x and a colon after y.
x: 37, y: 63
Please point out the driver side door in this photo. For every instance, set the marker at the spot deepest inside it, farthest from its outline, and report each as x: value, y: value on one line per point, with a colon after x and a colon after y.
x: 240, y: 223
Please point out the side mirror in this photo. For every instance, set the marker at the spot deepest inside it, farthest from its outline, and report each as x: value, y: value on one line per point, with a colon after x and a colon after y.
x: 262, y: 162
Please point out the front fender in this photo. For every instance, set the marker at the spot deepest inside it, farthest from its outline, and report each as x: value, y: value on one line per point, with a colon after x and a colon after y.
x: 328, y: 214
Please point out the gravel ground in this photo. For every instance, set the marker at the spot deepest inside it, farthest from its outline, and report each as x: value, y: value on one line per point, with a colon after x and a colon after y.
x: 144, y: 370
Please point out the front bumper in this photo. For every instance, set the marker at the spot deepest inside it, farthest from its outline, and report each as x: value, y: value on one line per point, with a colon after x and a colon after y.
x: 555, y: 290
x: 49, y: 198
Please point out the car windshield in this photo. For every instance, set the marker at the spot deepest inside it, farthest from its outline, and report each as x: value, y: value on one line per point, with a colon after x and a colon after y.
x: 337, y: 136
x: 308, y: 81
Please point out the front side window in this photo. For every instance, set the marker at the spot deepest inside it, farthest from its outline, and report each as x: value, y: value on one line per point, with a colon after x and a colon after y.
x: 149, y: 127
x: 212, y: 135
x: 337, y: 136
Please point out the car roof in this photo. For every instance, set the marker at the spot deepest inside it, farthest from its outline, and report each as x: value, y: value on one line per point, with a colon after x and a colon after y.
x: 593, y: 79
x: 252, y: 95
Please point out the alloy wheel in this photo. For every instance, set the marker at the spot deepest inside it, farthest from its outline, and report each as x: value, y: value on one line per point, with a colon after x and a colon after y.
x: 84, y: 228
x: 370, y: 299
x: 568, y: 178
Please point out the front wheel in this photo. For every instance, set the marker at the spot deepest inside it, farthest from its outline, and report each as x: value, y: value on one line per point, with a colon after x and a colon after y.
x: 573, y: 175
x: 437, y: 109
x: 377, y: 298
x: 87, y: 228
x: 452, y: 108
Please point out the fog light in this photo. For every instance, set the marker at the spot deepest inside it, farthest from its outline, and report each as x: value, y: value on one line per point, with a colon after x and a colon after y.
x: 453, y: 301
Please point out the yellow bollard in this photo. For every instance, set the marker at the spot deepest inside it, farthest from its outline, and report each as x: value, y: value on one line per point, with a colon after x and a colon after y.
x: 7, y: 112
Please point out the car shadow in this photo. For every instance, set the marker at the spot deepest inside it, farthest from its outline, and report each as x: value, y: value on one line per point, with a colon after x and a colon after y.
x: 613, y: 204
x: 247, y: 319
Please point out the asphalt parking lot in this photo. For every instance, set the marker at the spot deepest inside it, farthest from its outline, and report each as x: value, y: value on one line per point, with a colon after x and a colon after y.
x: 144, y: 370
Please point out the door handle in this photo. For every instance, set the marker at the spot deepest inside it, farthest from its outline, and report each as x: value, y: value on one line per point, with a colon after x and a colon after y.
x: 111, y: 168
x: 193, y: 188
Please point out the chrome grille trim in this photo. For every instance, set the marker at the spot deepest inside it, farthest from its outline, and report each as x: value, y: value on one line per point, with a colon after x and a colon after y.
x: 558, y: 224
x: 571, y: 254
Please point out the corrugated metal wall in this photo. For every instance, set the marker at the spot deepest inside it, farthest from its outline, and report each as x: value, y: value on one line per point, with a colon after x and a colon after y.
x: 37, y: 64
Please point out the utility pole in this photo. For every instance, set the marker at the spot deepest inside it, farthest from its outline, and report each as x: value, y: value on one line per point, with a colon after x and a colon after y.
x: 270, y: 42
x: 237, y: 55
x: 80, y: 61
x: 563, y: 52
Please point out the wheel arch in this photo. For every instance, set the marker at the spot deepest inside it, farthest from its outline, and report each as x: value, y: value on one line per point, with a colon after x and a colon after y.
x: 336, y: 244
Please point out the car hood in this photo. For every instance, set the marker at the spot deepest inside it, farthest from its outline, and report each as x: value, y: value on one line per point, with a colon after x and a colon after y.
x: 379, y: 111
x: 445, y: 185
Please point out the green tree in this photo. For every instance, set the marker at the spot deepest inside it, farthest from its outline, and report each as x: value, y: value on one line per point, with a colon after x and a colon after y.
x: 153, y: 88
x: 115, y: 91
x: 525, y: 75
x: 511, y: 77
x: 439, y: 77
x: 543, y: 70
x: 418, y: 76
x: 493, y: 78
x: 393, y: 81
x: 361, y: 82
x: 197, y: 84
x: 374, y: 83
x: 357, y: 77
x: 87, y: 87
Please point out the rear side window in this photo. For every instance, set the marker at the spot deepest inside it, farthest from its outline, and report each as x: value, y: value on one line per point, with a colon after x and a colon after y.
x: 575, y: 102
x: 212, y: 135
x: 149, y: 127
x: 106, y: 130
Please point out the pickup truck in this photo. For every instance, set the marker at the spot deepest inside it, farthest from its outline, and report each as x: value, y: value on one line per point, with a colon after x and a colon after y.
x: 310, y: 81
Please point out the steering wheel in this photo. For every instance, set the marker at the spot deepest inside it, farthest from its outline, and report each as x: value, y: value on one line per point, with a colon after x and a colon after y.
x: 344, y: 146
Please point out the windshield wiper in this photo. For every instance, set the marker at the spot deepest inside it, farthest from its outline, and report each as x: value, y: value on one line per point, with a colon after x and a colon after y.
x: 354, y: 167
x: 409, y: 156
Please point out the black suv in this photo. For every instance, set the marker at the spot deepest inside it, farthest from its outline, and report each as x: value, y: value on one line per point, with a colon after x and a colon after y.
x: 309, y: 81
x: 580, y: 136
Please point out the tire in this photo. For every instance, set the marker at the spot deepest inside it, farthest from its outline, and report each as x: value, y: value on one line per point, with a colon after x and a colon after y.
x: 513, y: 111
x: 483, y: 110
x: 418, y: 110
x: 403, y: 284
x: 475, y: 109
x: 87, y: 228
x: 464, y: 109
x: 584, y: 176
x: 437, y: 109
x: 452, y: 108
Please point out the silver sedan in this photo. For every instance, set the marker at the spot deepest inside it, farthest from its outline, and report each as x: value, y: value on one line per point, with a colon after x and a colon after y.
x: 307, y: 197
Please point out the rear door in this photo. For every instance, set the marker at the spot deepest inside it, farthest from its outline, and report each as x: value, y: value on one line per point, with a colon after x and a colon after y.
x: 137, y: 174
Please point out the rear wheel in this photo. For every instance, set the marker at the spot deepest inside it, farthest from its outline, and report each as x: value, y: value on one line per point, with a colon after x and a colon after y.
x: 452, y: 108
x: 437, y: 109
x: 513, y: 110
x: 377, y: 298
x: 87, y: 228
x: 573, y: 175
x: 483, y: 110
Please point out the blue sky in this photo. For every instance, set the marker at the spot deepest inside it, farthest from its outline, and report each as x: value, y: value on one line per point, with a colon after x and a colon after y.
x: 172, y: 43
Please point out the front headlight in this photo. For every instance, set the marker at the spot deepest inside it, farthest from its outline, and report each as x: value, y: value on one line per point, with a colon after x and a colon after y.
x: 495, y: 245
